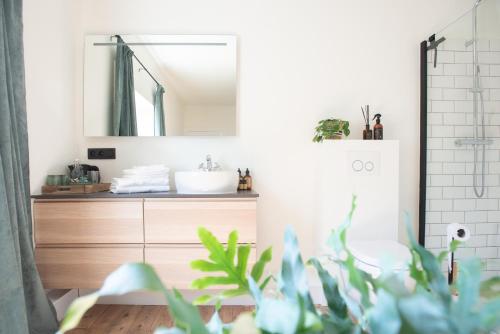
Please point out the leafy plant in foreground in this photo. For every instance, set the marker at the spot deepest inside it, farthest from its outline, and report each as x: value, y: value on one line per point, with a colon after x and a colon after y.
x: 231, y: 264
x: 384, y: 304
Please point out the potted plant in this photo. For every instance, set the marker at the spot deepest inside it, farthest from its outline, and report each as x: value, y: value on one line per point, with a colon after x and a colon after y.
x: 331, y: 128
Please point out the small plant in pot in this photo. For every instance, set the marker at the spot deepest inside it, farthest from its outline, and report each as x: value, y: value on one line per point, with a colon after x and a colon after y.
x: 331, y: 128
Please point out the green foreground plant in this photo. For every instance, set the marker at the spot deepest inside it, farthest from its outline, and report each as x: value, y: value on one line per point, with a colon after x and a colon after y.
x: 385, y: 304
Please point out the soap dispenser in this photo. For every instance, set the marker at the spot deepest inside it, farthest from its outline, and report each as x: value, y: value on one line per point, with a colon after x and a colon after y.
x: 378, y: 128
x: 248, y: 179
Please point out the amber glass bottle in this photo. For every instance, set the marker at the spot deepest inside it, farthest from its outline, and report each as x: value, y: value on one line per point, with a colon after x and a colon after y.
x: 248, y: 179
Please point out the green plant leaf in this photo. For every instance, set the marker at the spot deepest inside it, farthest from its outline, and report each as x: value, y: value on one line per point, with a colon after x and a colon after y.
x: 215, y: 325
x: 337, y: 319
x: 383, y: 317
x: 127, y: 278
x: 243, y: 253
x: 335, y: 302
x: 137, y: 277
x: 265, y: 282
x: 463, y: 311
x: 432, y: 277
x: 491, y: 288
x: 356, y: 277
x: 293, y: 279
x: 453, y: 247
x: 423, y: 313
x: 203, y: 299
x: 76, y: 311
x: 230, y: 262
x: 186, y: 316
x: 286, y: 317
x: 232, y: 241
x: 206, y: 266
x: 258, y: 267
x: 208, y: 281
x: 255, y: 291
x: 327, y: 128
x: 490, y: 316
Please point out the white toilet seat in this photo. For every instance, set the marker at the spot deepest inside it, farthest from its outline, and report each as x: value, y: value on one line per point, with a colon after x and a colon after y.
x: 372, y: 255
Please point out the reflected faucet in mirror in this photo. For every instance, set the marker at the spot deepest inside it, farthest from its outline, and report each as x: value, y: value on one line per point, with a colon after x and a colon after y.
x: 160, y: 85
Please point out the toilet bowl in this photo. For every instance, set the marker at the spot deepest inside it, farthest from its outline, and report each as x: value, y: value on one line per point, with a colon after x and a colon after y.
x: 374, y: 256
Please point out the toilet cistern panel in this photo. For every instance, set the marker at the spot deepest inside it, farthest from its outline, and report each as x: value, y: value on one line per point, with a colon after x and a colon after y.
x: 368, y: 170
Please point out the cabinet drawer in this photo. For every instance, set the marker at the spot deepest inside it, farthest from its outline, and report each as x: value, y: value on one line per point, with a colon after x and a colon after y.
x: 67, y: 268
x: 172, y: 264
x: 177, y: 221
x: 88, y: 222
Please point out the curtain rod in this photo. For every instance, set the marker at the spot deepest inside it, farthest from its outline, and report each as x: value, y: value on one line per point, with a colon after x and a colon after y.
x: 165, y: 44
x: 140, y: 62
x: 145, y: 69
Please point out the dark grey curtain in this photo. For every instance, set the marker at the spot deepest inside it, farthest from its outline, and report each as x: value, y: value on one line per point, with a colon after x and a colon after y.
x: 159, y: 113
x: 24, y: 307
x: 124, y: 116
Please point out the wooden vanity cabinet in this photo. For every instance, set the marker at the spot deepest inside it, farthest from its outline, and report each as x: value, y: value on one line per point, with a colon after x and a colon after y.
x: 78, y: 242
x: 177, y: 221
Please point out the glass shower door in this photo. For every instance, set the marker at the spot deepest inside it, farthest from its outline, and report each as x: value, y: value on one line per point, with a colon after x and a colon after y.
x: 463, y: 136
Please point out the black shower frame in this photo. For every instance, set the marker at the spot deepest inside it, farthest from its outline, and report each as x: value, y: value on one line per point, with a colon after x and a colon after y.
x: 423, y: 143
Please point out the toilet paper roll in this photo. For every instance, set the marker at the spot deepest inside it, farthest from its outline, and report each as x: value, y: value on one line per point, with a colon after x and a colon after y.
x: 455, y: 232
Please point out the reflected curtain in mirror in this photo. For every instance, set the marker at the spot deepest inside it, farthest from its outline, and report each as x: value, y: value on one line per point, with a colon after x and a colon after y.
x: 124, y: 116
x: 24, y: 307
x: 159, y: 113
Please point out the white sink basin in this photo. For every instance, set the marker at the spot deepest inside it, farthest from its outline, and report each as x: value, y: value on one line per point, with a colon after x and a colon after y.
x: 202, y: 182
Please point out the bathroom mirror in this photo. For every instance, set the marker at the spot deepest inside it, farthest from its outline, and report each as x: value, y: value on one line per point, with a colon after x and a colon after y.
x: 160, y: 85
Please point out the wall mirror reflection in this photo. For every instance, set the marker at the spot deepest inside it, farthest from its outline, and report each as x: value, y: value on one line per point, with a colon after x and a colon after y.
x: 160, y: 85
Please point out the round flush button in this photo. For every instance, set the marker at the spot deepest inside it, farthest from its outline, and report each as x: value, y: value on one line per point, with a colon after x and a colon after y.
x: 357, y: 165
x: 369, y: 166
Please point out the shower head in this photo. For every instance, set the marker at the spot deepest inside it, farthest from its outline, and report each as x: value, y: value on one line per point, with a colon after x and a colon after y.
x: 477, y: 3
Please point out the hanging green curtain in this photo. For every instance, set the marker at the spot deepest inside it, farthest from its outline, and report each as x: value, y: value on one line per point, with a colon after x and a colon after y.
x: 124, y: 116
x: 159, y: 113
x: 24, y: 307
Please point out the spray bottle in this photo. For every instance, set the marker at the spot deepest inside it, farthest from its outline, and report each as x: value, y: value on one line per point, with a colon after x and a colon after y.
x: 378, y: 128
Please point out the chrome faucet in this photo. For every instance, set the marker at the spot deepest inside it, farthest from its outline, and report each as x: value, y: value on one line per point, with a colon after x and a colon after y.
x: 209, y: 166
x: 209, y: 162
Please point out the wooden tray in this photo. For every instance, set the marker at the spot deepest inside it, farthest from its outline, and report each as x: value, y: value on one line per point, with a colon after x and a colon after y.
x: 76, y: 188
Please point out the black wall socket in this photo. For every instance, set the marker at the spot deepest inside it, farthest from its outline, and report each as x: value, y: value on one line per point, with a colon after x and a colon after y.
x: 101, y: 153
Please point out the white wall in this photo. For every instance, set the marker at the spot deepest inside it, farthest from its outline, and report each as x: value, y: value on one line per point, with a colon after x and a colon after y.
x: 98, y: 86
x: 299, y: 61
x: 50, y: 60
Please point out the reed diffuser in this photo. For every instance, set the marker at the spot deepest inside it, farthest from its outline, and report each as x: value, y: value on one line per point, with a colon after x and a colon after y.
x: 367, y: 132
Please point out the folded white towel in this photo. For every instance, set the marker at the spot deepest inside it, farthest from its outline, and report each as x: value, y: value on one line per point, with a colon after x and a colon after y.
x: 138, y: 189
x: 154, y: 170
x: 141, y: 181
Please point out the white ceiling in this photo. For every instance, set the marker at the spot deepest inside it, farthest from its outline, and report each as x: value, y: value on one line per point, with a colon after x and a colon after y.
x: 200, y: 74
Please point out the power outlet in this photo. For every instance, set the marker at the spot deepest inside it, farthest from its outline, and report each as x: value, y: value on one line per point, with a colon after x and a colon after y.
x: 101, y: 153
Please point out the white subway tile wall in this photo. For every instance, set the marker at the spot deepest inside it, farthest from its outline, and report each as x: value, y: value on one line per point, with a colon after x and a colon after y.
x: 450, y: 196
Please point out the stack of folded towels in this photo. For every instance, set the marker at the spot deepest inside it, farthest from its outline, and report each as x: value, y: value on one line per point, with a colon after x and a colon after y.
x: 141, y: 179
